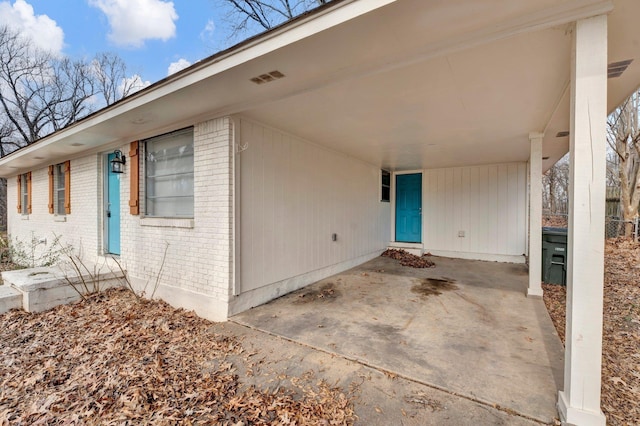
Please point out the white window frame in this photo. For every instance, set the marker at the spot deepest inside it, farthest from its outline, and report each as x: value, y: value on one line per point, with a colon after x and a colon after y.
x: 183, y: 178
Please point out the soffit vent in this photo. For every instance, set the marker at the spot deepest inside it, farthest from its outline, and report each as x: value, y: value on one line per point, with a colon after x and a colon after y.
x: 268, y: 77
x: 562, y: 134
x: 615, y: 69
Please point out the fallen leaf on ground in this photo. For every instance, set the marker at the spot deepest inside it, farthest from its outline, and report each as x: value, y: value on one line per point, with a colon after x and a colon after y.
x: 408, y: 259
x: 114, y: 359
x: 621, y: 329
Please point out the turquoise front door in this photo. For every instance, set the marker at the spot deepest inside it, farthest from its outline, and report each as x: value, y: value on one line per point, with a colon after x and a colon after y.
x: 113, y: 209
x: 409, y: 208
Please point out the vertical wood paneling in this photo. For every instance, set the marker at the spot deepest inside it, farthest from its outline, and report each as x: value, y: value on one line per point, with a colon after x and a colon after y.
x: 474, y: 202
x: 457, y: 206
x: 503, y: 207
x: 520, y: 220
x: 293, y: 196
x: 486, y: 202
x: 492, y: 220
x: 465, y: 207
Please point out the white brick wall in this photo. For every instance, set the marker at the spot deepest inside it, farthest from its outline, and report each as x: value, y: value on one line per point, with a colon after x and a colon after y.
x: 78, y: 228
x: 199, y: 256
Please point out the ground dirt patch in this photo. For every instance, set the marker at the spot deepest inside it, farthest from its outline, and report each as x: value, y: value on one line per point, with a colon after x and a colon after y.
x: 621, y: 330
x: 114, y: 359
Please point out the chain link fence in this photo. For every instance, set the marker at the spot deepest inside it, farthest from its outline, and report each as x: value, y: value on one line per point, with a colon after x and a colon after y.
x: 613, y: 226
x: 616, y: 227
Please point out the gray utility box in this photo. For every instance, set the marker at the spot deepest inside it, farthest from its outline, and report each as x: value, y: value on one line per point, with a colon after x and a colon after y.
x: 554, y: 255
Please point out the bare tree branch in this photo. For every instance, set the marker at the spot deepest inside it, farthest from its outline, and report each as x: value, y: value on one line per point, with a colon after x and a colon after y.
x: 623, y: 137
x: 41, y: 93
x: 248, y: 17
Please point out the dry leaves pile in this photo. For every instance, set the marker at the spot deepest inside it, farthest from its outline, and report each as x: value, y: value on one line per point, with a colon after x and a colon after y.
x: 621, y: 337
x: 116, y: 360
x: 408, y: 259
x: 554, y: 221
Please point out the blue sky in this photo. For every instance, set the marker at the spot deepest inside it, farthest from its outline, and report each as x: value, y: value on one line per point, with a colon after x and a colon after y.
x: 152, y: 36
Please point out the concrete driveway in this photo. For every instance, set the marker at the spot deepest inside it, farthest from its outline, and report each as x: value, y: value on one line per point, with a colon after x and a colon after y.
x: 464, y: 327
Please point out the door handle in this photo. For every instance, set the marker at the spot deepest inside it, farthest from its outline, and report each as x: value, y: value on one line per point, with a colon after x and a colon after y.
x: 108, y: 213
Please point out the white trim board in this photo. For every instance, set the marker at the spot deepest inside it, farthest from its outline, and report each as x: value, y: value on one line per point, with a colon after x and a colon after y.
x: 504, y: 258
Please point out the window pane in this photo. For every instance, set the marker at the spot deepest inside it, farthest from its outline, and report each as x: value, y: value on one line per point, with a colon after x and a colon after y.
x: 60, y: 202
x: 171, y: 207
x: 59, y: 190
x: 169, y: 174
x: 385, y: 194
x: 386, y: 178
x: 60, y: 176
x: 24, y: 194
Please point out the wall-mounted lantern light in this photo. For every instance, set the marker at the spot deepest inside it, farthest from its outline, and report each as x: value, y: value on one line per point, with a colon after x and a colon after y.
x: 118, y: 162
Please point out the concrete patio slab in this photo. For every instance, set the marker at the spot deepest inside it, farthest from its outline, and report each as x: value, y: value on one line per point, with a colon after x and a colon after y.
x: 379, y: 398
x: 464, y: 327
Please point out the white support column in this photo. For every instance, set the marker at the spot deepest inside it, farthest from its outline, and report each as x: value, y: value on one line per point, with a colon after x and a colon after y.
x: 579, y: 403
x: 535, y: 215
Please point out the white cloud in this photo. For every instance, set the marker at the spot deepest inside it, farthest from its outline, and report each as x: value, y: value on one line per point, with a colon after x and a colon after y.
x: 180, y: 64
x: 207, y: 33
x: 134, y: 21
x: 44, y: 31
x: 134, y: 83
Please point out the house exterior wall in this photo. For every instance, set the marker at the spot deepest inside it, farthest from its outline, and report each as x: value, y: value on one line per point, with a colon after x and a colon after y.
x: 294, y: 195
x: 77, y: 229
x: 198, y: 267
x: 197, y: 272
x: 487, y: 203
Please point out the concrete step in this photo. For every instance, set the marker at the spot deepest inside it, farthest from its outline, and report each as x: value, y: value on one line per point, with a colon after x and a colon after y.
x: 10, y: 298
x: 47, y: 287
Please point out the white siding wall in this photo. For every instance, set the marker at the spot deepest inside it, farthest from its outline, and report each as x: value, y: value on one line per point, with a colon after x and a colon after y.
x: 294, y: 195
x: 488, y: 203
x: 78, y: 228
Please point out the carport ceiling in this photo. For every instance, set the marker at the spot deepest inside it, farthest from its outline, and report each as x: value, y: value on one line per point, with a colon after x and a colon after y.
x: 470, y: 107
x: 465, y: 84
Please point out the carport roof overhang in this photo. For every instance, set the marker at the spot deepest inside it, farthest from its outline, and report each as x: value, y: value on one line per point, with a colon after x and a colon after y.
x: 402, y: 84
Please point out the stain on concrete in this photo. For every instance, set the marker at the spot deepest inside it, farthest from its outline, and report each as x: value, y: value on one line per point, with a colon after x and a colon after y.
x: 325, y: 293
x: 433, y: 286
